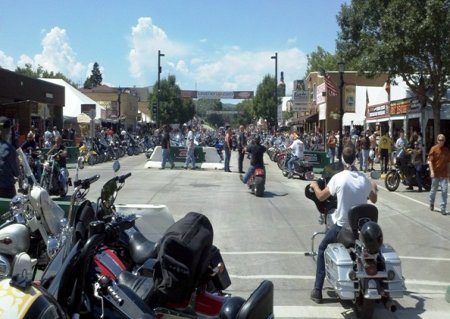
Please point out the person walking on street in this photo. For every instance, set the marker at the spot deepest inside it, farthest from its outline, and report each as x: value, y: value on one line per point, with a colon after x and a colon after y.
x: 416, y: 160
x: 165, y: 145
x: 365, y: 149
x: 190, y: 148
x: 385, y: 146
x: 242, y: 144
x: 439, y: 160
x: 331, y: 143
x: 351, y: 187
x: 227, y: 146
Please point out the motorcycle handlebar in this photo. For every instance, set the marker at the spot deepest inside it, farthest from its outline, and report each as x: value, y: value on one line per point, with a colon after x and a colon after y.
x: 86, y: 183
x: 122, y: 178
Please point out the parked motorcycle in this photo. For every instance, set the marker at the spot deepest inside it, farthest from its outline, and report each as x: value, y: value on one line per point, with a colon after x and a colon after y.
x: 30, y: 229
x: 55, y: 179
x: 360, y: 267
x: 82, y: 278
x: 405, y: 172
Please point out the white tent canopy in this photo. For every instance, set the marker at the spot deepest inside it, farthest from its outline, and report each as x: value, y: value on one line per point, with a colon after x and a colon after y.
x: 74, y: 99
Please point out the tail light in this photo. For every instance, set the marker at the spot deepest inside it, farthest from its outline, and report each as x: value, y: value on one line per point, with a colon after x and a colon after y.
x: 259, y: 172
x: 370, y: 267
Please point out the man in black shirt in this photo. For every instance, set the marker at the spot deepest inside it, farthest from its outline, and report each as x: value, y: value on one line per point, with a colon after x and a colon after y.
x: 257, y: 158
x: 242, y: 144
x: 165, y: 145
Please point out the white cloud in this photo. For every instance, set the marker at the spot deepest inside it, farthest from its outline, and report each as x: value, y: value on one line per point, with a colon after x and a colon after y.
x: 292, y: 40
x: 6, y: 62
x: 57, y: 56
x: 229, y: 68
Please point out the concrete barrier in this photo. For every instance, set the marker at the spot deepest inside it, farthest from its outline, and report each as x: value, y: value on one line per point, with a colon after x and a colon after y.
x: 206, y: 158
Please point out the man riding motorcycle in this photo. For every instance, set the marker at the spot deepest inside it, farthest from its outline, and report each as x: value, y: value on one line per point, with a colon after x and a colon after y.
x: 351, y: 188
x: 257, y: 158
x: 30, y: 147
x: 61, y: 158
x: 298, y: 149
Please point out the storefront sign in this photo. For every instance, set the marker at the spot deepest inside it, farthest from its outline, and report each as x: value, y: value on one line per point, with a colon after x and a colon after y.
x: 349, y: 98
x: 400, y: 107
x: 378, y: 110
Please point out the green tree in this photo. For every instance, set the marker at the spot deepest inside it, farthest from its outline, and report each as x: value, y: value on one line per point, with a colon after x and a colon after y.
x: 246, y: 112
x: 264, y: 105
x: 410, y: 39
x: 321, y: 59
x: 172, y: 108
x: 95, y: 79
x: 41, y: 73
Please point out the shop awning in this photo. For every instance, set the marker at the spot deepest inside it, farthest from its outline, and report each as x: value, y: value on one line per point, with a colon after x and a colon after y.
x: 312, y: 118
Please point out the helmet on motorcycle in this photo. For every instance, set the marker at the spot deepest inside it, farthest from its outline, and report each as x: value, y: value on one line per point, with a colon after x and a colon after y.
x: 231, y: 307
x: 371, y: 236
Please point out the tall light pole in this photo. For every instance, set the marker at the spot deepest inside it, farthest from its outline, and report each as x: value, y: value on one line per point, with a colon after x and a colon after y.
x: 276, y: 88
x: 158, y: 93
x: 341, y: 66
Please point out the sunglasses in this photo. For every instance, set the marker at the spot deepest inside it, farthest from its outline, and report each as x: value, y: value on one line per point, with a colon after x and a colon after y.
x: 440, y: 140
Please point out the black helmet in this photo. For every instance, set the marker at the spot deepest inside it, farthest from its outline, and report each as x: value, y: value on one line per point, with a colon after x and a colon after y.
x: 371, y: 236
x: 231, y: 307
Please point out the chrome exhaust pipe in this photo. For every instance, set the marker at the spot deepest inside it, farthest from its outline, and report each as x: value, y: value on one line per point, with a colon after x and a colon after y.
x: 390, y: 305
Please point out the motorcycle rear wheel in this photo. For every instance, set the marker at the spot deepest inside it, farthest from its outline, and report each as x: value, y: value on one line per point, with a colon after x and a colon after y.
x: 259, y: 186
x: 392, y: 181
x: 364, y: 308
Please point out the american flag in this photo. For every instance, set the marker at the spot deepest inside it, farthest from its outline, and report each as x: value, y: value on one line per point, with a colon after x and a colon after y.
x: 331, y: 88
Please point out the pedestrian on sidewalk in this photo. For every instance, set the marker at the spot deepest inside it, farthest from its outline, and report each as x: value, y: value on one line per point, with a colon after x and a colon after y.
x: 439, y: 160
x: 165, y: 145
x: 385, y: 146
x: 331, y: 143
x: 242, y: 144
x: 228, y: 144
x: 190, y: 148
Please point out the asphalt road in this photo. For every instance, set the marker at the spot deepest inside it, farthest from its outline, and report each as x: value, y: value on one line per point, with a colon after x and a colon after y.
x: 265, y: 238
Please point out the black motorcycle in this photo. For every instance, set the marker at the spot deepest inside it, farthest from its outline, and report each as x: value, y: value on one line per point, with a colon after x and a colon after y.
x: 405, y: 172
x: 302, y: 168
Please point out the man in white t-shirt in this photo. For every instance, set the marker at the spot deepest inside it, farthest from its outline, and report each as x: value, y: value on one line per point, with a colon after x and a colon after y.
x: 351, y: 188
x: 298, y: 149
x: 190, y: 148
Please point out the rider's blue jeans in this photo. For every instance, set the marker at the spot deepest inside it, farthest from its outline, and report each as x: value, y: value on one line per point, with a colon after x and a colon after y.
x: 330, y: 237
x: 248, y: 174
x: 443, y: 182
x: 290, y: 163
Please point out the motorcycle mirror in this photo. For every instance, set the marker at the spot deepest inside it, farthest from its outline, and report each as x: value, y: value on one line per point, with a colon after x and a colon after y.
x: 375, y: 175
x: 116, y: 166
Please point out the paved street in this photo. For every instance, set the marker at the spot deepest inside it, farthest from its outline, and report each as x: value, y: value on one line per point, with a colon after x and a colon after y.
x: 265, y: 238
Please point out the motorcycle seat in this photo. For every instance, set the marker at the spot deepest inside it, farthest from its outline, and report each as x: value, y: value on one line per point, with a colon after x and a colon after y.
x: 346, y: 237
x: 259, y: 304
x: 141, y: 248
x: 140, y: 285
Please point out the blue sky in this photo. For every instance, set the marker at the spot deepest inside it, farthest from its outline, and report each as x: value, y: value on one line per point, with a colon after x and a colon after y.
x: 208, y: 44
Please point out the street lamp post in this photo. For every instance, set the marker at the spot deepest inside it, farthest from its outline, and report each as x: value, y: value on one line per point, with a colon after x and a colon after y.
x: 276, y: 88
x: 341, y: 66
x: 158, y: 93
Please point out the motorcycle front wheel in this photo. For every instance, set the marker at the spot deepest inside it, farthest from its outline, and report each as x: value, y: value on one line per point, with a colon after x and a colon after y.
x: 392, y: 181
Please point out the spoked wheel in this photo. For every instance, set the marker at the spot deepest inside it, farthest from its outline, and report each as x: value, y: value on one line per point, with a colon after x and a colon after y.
x: 364, y: 307
x: 392, y: 181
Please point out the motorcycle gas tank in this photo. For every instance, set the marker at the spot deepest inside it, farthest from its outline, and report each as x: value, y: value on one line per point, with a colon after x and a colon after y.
x: 51, y: 213
x: 338, y: 264
x: 14, y: 239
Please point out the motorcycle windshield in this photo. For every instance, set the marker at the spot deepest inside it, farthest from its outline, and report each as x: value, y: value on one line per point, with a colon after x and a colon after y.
x: 26, y: 166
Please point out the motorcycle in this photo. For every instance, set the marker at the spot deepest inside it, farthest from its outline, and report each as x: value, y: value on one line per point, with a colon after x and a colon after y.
x: 82, y: 278
x: 360, y: 267
x: 257, y: 181
x: 302, y: 168
x: 406, y: 173
x: 30, y: 230
x: 55, y: 179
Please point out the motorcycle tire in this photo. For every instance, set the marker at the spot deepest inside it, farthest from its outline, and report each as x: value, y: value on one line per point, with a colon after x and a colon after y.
x: 364, y: 308
x: 136, y: 151
x: 281, y: 163
x: 92, y: 160
x: 130, y: 151
x: 427, y: 183
x: 392, y: 181
x: 259, y: 186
